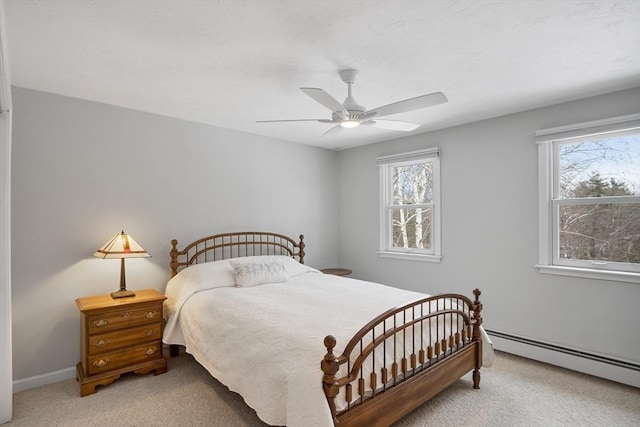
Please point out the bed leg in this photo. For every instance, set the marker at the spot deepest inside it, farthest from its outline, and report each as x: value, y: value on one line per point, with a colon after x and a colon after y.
x: 477, y: 318
x: 174, y: 350
x: 476, y: 378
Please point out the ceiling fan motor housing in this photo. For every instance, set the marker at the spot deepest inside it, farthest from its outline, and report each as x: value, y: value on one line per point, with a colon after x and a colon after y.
x: 353, y: 116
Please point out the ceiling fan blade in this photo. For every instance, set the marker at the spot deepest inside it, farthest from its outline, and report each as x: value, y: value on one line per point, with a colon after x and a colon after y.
x: 392, y: 125
x: 325, y: 99
x: 410, y: 104
x: 295, y: 120
x: 332, y: 131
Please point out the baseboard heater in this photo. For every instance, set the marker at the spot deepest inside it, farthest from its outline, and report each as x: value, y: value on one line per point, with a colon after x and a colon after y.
x: 565, y: 350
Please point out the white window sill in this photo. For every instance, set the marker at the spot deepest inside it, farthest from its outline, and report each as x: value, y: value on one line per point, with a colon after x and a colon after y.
x: 409, y: 256
x: 588, y: 273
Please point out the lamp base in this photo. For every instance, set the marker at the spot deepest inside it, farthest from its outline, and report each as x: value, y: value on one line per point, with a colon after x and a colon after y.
x: 123, y: 293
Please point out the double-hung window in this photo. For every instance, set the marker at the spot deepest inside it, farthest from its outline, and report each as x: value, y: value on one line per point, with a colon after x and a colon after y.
x: 589, y: 176
x: 410, y: 205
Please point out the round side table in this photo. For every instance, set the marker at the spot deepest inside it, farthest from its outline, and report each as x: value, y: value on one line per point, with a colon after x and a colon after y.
x: 337, y: 271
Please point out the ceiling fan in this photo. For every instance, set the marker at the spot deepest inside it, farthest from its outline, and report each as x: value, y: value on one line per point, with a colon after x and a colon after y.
x: 350, y: 114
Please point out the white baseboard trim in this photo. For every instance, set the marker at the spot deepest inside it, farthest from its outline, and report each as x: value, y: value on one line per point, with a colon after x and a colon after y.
x: 51, y: 377
x: 610, y: 369
x: 44, y: 379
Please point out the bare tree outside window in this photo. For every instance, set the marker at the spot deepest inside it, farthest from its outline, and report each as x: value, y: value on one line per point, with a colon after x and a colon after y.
x: 598, y: 212
x: 410, y: 205
x: 412, y: 200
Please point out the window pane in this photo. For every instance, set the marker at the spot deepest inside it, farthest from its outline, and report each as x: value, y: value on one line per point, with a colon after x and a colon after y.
x: 411, y: 228
x: 412, y: 184
x: 609, y: 166
x: 600, y: 232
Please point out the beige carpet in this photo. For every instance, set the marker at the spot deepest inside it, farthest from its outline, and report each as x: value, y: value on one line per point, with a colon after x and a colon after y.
x: 514, y: 392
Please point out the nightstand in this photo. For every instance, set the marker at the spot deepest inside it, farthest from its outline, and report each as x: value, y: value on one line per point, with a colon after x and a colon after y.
x: 119, y: 335
x: 337, y: 271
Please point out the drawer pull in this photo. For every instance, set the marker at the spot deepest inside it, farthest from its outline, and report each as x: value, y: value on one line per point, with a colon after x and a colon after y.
x: 127, y: 314
x: 101, y: 363
x: 150, y: 314
x: 101, y: 343
x: 151, y: 350
x: 149, y: 332
x: 100, y: 323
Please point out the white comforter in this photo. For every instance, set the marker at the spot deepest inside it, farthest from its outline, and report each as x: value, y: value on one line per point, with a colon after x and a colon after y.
x: 249, y: 338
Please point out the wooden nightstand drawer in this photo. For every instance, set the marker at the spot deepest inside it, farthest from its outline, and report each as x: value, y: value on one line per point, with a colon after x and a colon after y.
x: 124, y: 319
x: 112, y: 340
x: 119, y: 335
x: 118, y: 359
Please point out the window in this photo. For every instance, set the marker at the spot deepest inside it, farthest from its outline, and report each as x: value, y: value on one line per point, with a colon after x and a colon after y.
x: 590, y: 199
x: 410, y: 205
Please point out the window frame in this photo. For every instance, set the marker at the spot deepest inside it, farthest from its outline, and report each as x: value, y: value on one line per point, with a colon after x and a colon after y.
x: 385, y: 165
x: 549, y: 141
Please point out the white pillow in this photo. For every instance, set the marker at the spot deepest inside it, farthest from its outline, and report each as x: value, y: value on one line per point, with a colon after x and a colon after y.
x: 206, y: 275
x: 196, y: 278
x: 294, y: 268
x: 254, y: 272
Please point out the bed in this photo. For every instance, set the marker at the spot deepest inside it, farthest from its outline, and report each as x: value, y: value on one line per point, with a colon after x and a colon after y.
x: 308, y: 349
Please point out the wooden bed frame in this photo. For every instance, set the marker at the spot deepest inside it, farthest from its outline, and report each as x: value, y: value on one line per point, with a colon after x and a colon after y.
x: 416, y: 357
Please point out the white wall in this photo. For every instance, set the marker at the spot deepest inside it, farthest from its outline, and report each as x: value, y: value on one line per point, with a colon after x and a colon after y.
x: 490, y: 231
x: 82, y: 171
x: 6, y: 107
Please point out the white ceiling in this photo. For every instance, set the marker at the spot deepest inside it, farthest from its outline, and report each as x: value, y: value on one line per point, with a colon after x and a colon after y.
x: 229, y: 63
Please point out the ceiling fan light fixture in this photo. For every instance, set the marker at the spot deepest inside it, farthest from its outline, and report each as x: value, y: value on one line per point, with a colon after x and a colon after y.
x: 350, y: 124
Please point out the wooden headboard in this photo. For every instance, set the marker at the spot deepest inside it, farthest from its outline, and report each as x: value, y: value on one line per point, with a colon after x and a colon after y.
x: 234, y: 245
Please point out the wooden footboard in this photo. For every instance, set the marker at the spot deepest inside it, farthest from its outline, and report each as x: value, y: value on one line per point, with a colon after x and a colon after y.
x: 402, y: 358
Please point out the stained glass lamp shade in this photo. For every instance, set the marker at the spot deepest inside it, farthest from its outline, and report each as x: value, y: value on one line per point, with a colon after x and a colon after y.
x: 121, y: 246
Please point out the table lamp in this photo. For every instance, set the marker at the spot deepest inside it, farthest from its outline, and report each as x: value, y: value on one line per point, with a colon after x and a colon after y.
x: 121, y: 246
